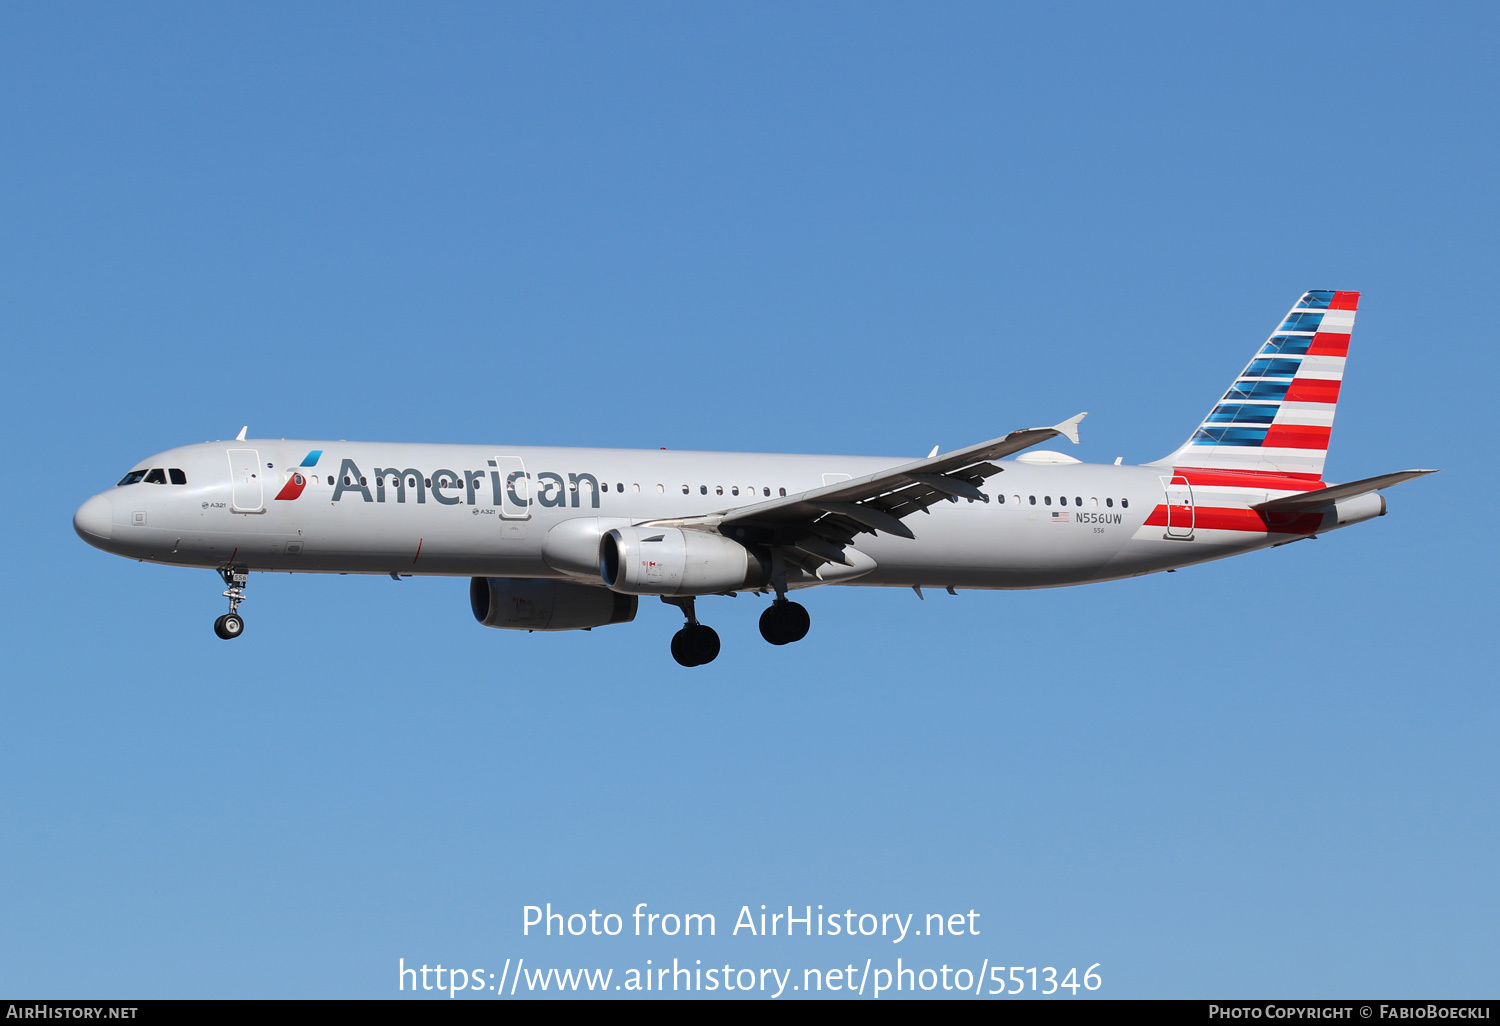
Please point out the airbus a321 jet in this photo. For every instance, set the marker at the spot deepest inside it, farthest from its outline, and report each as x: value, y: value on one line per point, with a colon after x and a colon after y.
x: 559, y: 539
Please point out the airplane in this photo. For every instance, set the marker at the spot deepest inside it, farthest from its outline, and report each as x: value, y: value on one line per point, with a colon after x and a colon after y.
x: 557, y: 539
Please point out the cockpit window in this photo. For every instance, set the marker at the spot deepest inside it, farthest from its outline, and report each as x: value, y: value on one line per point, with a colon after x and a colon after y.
x: 156, y: 476
x: 133, y: 477
x: 178, y: 477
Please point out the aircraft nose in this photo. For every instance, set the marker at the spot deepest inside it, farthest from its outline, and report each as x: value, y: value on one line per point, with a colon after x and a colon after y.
x: 95, y: 520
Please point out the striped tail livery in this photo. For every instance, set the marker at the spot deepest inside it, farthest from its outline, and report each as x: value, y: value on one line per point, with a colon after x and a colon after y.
x: 1256, y: 461
x: 1277, y: 415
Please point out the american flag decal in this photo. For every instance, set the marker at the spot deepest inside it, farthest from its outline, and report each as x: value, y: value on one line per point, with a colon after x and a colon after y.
x: 1060, y: 518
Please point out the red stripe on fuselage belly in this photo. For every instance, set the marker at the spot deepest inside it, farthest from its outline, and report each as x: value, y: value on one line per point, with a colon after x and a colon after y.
x: 1236, y: 518
x: 1269, y: 480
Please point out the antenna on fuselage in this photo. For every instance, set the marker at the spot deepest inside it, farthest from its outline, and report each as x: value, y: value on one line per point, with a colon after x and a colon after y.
x: 241, y: 436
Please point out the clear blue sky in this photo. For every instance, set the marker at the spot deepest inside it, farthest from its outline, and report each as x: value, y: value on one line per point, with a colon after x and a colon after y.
x: 839, y: 227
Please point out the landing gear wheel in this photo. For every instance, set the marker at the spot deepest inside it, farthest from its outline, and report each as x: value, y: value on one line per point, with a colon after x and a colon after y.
x: 230, y: 625
x: 695, y: 645
x: 784, y: 622
x: 704, y: 642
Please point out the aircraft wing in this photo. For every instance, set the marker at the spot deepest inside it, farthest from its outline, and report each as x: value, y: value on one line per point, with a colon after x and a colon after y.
x: 818, y: 523
x: 1324, y: 496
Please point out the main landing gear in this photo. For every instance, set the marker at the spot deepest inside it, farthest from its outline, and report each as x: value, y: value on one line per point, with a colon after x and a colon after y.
x: 696, y: 643
x: 784, y: 622
x: 231, y: 625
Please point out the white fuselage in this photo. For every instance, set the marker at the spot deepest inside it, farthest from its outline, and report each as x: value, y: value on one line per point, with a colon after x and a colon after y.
x: 486, y: 511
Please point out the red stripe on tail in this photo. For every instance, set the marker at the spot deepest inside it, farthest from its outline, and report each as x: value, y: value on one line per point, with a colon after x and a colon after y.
x: 1296, y: 436
x: 1329, y: 343
x: 1313, y: 390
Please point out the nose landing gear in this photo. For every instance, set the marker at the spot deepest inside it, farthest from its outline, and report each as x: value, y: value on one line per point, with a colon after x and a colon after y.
x: 696, y: 644
x: 231, y: 624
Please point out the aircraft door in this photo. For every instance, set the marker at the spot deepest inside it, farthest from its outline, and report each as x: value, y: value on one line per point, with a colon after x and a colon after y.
x: 1181, y: 515
x: 515, y: 488
x: 247, y: 491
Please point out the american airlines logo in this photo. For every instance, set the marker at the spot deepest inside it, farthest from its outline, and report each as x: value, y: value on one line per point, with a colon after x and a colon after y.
x: 297, y: 481
x: 519, y: 488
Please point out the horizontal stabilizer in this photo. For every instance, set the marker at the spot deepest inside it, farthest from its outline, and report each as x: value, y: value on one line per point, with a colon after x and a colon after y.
x: 1324, y: 496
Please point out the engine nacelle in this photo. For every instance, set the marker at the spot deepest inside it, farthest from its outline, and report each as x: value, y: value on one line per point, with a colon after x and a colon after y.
x: 672, y: 561
x: 573, y: 545
x: 524, y: 604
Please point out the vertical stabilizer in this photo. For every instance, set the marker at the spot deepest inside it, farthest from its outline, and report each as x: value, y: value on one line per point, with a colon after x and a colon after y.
x: 1277, y: 416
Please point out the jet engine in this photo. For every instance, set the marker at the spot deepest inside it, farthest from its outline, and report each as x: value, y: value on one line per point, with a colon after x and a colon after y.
x: 523, y: 604
x: 673, y: 561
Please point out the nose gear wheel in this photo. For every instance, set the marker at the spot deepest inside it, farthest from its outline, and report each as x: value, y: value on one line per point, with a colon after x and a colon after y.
x: 231, y: 624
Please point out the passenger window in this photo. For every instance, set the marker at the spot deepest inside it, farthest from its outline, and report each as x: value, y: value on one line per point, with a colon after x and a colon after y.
x: 330, y: 479
x: 1109, y: 502
x: 768, y: 493
x: 1125, y: 503
x: 1016, y: 499
x: 178, y: 477
x: 134, y: 477
x: 1047, y: 499
x: 684, y: 489
x: 718, y: 489
x: 1000, y: 498
x: 1078, y: 500
x: 1093, y: 500
x: 735, y: 490
x: 156, y: 476
x: 1033, y: 500
x: 703, y: 489
x: 783, y: 493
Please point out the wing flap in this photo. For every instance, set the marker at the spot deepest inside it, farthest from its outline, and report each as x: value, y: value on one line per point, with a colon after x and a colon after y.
x: 903, y: 490
x: 815, y: 527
